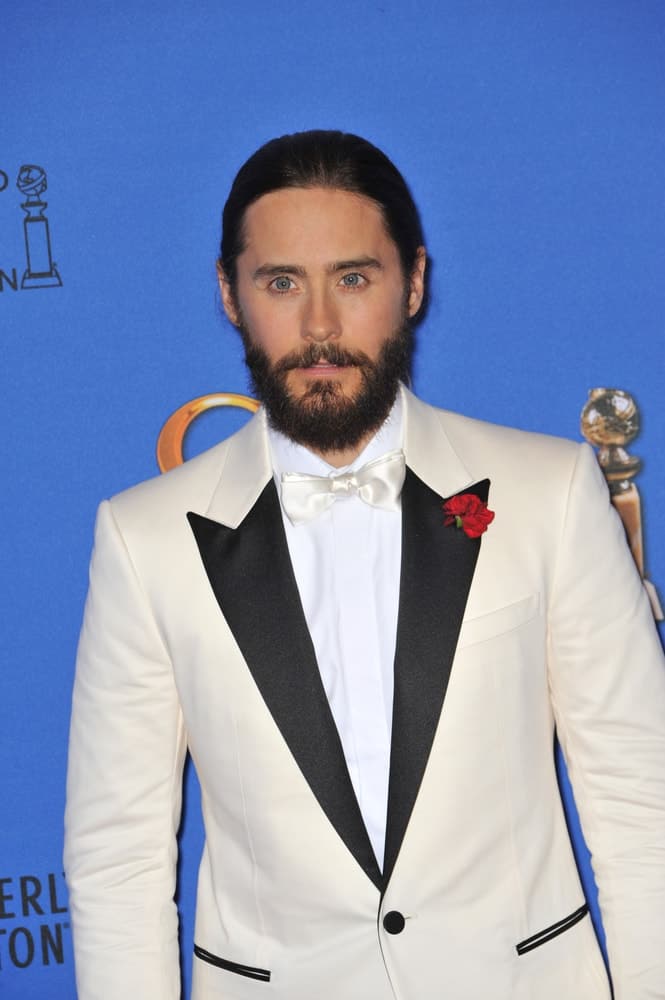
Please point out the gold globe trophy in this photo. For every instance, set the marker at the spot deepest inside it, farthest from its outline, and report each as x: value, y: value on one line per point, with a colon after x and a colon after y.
x: 610, y: 420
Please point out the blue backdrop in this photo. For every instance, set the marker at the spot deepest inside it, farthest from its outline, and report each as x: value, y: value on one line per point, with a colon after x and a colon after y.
x: 532, y: 134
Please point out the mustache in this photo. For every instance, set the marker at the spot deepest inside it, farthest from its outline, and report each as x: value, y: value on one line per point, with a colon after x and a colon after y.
x: 331, y: 354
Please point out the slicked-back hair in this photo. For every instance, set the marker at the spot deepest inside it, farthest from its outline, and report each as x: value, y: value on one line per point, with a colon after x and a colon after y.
x: 329, y: 159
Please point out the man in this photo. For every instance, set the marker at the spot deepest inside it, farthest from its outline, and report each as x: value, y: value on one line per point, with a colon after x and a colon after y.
x: 364, y: 617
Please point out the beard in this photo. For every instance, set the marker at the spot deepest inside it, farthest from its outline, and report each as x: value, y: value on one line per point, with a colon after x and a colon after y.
x: 324, y: 418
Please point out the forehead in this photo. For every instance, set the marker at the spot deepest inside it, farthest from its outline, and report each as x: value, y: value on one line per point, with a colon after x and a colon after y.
x: 315, y: 222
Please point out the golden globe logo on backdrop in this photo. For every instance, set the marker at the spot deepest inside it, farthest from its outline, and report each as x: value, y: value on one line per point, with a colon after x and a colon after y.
x: 40, y: 269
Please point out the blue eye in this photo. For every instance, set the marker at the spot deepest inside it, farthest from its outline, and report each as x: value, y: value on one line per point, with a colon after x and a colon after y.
x: 353, y: 280
x: 282, y: 283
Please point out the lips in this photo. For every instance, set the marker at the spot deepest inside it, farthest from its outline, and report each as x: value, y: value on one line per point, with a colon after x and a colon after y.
x: 320, y: 359
x: 324, y: 369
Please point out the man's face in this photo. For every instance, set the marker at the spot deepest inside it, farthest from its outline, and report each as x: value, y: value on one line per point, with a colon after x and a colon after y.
x: 323, y: 308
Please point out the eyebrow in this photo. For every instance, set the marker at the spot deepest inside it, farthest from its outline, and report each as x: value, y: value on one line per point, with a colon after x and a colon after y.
x: 272, y: 270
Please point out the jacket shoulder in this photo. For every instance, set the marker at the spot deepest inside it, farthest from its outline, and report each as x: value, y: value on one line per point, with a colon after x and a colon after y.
x: 499, y: 446
x: 188, y: 486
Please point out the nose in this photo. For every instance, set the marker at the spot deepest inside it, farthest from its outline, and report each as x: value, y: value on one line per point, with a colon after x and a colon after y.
x: 321, y: 319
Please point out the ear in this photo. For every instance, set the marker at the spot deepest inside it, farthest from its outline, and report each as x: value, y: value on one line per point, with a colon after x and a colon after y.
x: 417, y: 282
x: 228, y: 298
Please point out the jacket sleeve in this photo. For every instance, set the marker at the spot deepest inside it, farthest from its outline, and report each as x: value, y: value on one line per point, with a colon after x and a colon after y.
x: 126, y: 755
x: 607, y: 680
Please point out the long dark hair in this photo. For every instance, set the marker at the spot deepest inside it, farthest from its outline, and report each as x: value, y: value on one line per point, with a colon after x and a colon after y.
x: 321, y: 158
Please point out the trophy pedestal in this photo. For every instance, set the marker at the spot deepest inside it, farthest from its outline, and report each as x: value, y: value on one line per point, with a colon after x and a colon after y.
x: 629, y: 508
x: 51, y: 279
x: 41, y: 271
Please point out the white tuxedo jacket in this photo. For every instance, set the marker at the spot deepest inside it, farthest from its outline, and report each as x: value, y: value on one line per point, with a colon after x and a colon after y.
x: 194, y: 637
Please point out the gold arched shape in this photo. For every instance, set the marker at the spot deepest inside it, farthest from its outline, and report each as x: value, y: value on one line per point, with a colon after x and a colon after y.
x: 172, y: 434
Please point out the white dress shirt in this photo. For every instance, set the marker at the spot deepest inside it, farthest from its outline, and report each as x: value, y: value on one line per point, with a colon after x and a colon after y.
x: 347, y: 566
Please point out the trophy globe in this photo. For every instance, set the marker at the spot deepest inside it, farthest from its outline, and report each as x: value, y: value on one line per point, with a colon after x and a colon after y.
x: 31, y: 182
x: 610, y: 420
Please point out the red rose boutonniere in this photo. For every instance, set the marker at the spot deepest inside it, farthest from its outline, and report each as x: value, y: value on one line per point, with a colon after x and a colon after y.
x: 469, y: 512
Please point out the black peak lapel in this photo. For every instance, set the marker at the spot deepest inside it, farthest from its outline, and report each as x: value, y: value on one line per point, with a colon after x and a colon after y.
x: 437, y: 568
x: 252, y: 577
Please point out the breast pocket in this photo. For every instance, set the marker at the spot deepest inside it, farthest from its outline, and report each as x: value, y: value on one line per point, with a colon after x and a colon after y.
x: 499, y: 622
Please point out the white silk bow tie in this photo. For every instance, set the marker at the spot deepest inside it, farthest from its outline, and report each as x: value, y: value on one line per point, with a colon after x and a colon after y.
x: 378, y: 483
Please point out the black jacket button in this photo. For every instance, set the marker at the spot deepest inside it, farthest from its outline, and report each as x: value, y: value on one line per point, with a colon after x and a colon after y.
x: 394, y: 922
